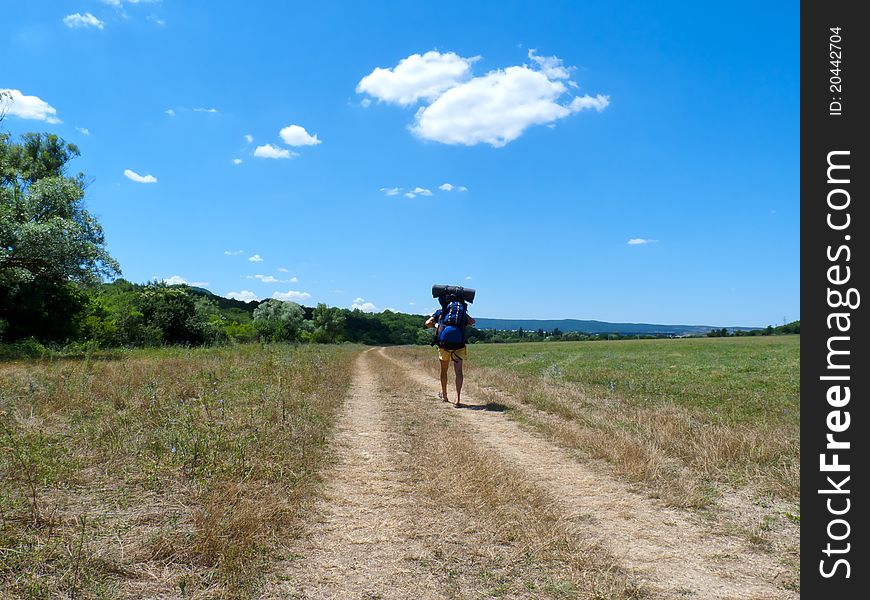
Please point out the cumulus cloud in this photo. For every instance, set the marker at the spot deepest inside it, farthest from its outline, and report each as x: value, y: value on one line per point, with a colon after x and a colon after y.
x: 294, y: 135
x: 134, y: 176
x: 249, y: 138
x: 244, y: 295
x: 237, y: 161
x: 272, y: 279
x: 256, y: 258
x: 449, y: 187
x: 206, y: 110
x: 179, y: 280
x: 391, y: 191
x: 495, y: 108
x: 418, y: 191
x: 282, y: 270
x: 170, y: 112
x: 77, y: 21
x: 270, y: 151
x: 639, y: 241
x: 291, y: 295
x: 83, y: 130
x: 16, y: 104
x: 361, y: 304
x: 416, y: 77
x: 233, y: 252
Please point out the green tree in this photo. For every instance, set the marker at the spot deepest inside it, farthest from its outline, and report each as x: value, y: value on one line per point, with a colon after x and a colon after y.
x: 48, y: 241
x: 277, y: 320
x: 328, y: 324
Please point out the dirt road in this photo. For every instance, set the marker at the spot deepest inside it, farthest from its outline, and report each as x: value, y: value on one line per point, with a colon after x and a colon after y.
x: 369, y: 541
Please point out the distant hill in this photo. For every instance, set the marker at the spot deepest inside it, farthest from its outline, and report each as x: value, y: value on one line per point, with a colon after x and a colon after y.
x: 548, y: 325
x: 566, y: 325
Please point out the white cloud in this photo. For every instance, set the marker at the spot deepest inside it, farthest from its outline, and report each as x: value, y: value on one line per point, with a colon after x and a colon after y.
x: 244, y: 295
x: 76, y: 20
x: 206, y: 110
x: 365, y: 102
x: 291, y: 295
x: 468, y: 278
x: 282, y: 270
x: 233, y: 252
x: 497, y: 108
x: 361, y: 304
x: 18, y: 105
x: 237, y: 161
x: 179, y: 280
x: 294, y: 135
x: 249, y: 138
x: 417, y: 77
x: 551, y: 66
x: 449, y: 187
x: 418, y: 191
x: 134, y: 176
x: 170, y: 112
x: 83, y: 130
x: 270, y: 151
x: 256, y: 258
x: 639, y: 241
x: 271, y: 279
x: 391, y: 191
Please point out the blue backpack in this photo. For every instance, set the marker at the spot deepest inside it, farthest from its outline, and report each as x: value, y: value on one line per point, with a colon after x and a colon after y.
x: 450, y: 333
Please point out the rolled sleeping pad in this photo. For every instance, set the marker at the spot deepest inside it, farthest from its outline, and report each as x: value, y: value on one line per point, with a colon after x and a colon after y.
x: 439, y: 291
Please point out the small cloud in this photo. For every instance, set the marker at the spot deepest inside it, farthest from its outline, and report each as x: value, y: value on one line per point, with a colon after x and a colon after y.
x: 639, y: 241
x: 361, y: 304
x: 449, y: 187
x: 391, y: 191
x: 551, y: 66
x: 291, y: 295
x: 365, y: 102
x: 294, y: 135
x: 244, y: 295
x: 293, y: 280
x: 78, y: 21
x: 270, y: 151
x: 468, y: 278
x: 412, y: 303
x: 206, y: 110
x: 179, y: 280
x: 233, y: 252
x: 417, y: 77
x: 282, y: 270
x: 271, y: 279
x: 249, y: 138
x: 256, y: 258
x: 83, y: 130
x: 170, y: 112
x: 237, y: 161
x: 18, y: 105
x: 418, y: 191
x: 134, y: 176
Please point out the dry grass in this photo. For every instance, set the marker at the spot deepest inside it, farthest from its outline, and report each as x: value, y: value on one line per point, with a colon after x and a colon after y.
x: 678, y: 453
x: 514, y: 540
x: 160, y: 472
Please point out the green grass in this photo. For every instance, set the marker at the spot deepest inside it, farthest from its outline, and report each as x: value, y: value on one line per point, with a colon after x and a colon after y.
x: 744, y: 379
x: 190, y: 463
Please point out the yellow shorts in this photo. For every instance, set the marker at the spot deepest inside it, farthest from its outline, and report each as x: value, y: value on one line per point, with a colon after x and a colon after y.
x: 457, y: 355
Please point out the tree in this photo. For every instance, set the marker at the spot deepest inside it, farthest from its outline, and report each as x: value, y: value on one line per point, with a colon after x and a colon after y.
x: 44, y: 229
x: 277, y: 320
x: 328, y: 324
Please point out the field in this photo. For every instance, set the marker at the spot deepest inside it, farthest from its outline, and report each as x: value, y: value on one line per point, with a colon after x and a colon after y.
x: 625, y: 469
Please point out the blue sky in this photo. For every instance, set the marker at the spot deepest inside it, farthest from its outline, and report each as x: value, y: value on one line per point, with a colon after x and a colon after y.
x: 621, y: 161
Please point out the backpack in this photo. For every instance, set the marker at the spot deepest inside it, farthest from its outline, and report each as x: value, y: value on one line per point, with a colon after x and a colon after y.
x: 450, y: 333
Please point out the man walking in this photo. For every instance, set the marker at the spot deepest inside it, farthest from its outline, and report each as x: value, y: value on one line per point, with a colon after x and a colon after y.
x: 450, y: 323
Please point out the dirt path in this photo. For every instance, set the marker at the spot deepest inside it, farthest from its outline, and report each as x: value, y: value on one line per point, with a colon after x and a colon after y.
x: 365, y: 544
x: 670, y: 551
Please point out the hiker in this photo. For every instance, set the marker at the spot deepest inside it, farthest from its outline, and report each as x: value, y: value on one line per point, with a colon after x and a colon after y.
x: 450, y: 322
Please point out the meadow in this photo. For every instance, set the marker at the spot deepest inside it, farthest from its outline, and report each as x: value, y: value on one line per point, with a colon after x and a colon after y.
x: 681, y: 416
x: 149, y: 472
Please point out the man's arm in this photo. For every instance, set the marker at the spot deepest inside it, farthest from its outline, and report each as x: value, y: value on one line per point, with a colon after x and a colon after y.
x: 469, y: 320
x: 430, y: 322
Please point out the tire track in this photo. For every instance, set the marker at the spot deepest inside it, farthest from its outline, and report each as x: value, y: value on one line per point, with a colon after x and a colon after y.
x: 669, y: 550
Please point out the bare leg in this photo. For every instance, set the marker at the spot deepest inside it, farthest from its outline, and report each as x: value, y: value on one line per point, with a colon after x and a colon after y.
x: 445, y: 364
x: 457, y: 368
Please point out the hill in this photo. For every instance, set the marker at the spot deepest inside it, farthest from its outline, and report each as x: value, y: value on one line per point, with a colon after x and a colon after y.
x: 566, y: 325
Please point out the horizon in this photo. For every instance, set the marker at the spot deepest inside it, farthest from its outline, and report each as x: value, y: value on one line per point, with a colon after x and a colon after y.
x: 651, y: 178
